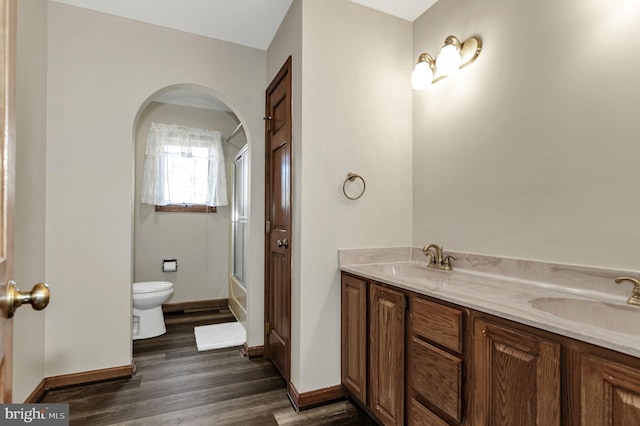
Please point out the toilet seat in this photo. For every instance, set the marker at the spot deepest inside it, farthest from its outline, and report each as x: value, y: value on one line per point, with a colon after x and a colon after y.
x: 151, y: 287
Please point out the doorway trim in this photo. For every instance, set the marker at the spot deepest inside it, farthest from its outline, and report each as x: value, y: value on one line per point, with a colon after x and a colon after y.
x: 204, y: 90
x: 282, y: 81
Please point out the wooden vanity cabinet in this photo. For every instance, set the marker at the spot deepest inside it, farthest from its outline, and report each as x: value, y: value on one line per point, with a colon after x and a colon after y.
x: 435, y: 370
x: 373, y: 342
x: 516, y: 377
x: 456, y: 366
x: 373, y: 354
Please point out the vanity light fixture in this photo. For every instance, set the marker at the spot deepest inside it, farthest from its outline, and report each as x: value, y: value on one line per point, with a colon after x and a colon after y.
x: 423, y: 72
x: 453, y: 56
x: 449, y: 60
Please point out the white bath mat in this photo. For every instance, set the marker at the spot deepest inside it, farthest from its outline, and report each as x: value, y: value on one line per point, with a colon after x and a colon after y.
x: 218, y: 336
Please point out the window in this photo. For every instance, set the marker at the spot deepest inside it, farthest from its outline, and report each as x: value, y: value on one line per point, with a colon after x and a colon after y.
x: 184, y: 169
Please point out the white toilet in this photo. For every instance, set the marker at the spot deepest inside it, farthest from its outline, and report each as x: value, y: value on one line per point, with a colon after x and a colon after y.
x: 148, y: 298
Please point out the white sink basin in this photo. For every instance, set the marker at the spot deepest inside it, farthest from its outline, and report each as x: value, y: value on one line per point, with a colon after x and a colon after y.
x: 610, y: 316
x: 414, y: 273
x: 405, y: 270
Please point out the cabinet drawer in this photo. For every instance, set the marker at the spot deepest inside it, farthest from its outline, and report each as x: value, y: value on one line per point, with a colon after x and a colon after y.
x: 438, y: 323
x: 421, y: 416
x: 437, y: 377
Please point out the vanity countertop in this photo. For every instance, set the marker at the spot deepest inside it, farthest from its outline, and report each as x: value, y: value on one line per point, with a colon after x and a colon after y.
x: 579, y: 302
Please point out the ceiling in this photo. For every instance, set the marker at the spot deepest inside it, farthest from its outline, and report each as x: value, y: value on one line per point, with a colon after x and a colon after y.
x: 250, y: 23
x: 409, y: 10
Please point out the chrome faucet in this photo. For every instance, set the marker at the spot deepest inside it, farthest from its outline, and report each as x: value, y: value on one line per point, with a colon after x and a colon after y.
x: 634, y: 299
x: 437, y: 258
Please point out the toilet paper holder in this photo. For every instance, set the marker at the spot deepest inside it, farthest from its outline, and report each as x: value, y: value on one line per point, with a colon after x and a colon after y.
x: 169, y: 265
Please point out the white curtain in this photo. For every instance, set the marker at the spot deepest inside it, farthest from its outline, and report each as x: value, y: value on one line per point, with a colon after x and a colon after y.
x: 183, y: 165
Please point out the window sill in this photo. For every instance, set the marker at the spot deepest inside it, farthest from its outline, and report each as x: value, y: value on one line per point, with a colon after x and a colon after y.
x: 179, y: 208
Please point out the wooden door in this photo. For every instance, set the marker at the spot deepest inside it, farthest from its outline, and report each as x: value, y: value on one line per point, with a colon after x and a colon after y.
x: 386, y: 352
x: 354, y: 336
x: 517, y: 377
x: 610, y: 393
x: 7, y: 112
x: 278, y: 217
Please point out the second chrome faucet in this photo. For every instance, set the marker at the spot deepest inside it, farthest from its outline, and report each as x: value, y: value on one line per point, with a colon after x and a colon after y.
x: 437, y: 258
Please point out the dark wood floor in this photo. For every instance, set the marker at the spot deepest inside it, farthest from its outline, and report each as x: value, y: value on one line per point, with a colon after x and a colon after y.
x: 176, y: 384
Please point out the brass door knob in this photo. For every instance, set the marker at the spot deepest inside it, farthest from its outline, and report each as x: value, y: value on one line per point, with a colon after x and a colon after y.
x: 284, y: 243
x: 38, y: 297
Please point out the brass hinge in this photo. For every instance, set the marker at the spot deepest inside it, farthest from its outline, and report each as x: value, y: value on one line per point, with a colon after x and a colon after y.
x: 268, y: 226
x: 268, y: 122
x: 267, y: 328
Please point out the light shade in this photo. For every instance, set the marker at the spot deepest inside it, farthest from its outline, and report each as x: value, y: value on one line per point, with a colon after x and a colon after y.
x: 422, y: 74
x: 449, y: 59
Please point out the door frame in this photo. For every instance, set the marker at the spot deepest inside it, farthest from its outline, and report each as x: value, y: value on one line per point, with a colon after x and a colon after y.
x: 285, y: 72
x: 8, y: 26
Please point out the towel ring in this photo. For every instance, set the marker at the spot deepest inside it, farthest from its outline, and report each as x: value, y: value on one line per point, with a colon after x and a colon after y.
x: 350, y: 178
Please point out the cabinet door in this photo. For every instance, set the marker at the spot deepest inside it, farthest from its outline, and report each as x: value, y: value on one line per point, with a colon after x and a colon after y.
x: 516, y: 377
x: 386, y: 340
x: 354, y: 336
x: 610, y: 393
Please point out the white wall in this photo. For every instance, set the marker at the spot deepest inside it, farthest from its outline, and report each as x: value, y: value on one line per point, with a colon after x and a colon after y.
x: 288, y: 42
x: 101, y: 70
x: 352, y: 113
x: 199, y: 241
x: 532, y: 151
x: 28, y: 344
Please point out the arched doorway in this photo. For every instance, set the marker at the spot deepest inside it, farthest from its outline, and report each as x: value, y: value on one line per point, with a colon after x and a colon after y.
x: 200, y: 242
